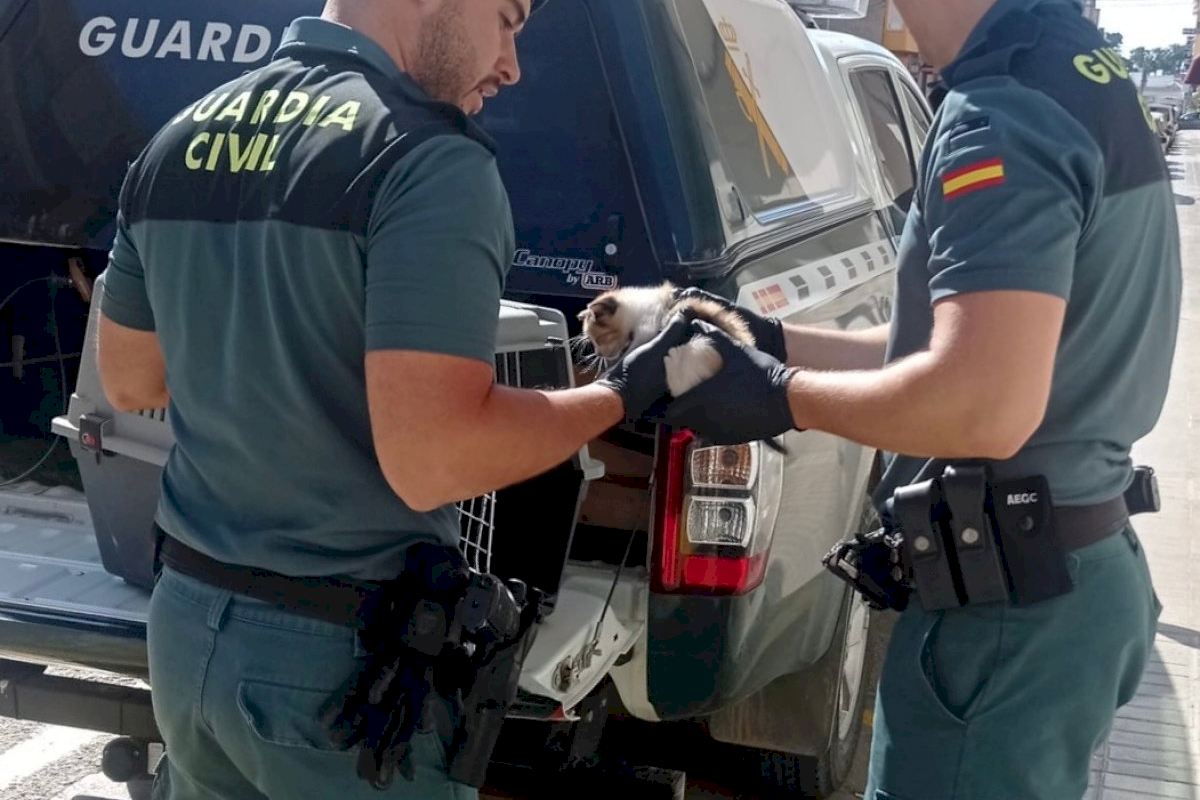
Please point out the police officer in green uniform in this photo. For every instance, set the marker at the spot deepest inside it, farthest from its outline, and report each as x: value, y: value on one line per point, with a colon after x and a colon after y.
x: 1037, y: 308
x: 308, y: 267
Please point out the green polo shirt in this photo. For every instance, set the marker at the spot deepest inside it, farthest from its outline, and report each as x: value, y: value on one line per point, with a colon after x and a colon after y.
x: 1042, y: 174
x: 271, y: 235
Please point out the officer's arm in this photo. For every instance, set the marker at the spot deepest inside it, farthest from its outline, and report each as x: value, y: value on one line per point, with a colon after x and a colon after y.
x: 445, y: 432
x: 129, y: 359
x: 1006, y: 195
x: 979, y: 391
x: 131, y: 366
x: 822, y: 349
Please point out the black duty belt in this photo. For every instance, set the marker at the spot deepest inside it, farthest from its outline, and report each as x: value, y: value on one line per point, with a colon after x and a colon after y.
x: 963, y: 539
x: 1081, y: 526
x: 439, y: 620
x: 340, y: 600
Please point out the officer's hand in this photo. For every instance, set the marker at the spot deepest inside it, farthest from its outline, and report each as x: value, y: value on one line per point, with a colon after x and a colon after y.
x: 767, y: 331
x: 744, y: 402
x: 640, y: 377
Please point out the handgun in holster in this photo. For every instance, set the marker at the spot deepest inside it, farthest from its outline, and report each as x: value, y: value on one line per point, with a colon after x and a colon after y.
x: 502, y: 641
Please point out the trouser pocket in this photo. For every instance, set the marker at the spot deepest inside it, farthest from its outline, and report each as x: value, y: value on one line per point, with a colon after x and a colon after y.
x: 287, y: 716
x: 958, y: 658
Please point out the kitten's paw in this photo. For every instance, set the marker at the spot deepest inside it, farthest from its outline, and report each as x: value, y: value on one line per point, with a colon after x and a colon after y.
x: 690, y: 365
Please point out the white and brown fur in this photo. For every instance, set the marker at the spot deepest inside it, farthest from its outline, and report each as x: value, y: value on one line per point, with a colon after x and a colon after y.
x: 618, y: 321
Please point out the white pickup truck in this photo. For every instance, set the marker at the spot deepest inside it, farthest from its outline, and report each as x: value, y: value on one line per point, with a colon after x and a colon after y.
x: 728, y: 144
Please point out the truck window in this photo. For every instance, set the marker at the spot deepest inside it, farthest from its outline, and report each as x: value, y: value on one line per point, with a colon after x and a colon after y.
x: 889, y: 138
x: 919, y: 121
x: 757, y: 87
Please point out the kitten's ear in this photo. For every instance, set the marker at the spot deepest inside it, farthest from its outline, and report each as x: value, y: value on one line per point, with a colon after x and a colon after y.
x: 582, y: 315
x: 602, y: 308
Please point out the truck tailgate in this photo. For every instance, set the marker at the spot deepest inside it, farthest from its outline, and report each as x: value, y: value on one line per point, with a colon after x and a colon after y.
x: 57, y: 603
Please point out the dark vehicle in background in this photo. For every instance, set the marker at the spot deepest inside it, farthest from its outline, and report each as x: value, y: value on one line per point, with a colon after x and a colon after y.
x: 1166, y: 117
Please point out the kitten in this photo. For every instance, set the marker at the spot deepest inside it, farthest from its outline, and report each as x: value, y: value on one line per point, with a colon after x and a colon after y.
x: 618, y: 321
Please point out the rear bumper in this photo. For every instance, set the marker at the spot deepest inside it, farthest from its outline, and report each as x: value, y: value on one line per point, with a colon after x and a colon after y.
x: 705, y: 653
x: 54, y: 639
x: 596, y: 620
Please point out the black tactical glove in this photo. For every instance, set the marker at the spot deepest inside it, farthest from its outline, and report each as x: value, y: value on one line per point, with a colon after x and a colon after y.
x: 767, y: 331
x: 745, y: 402
x: 640, y: 376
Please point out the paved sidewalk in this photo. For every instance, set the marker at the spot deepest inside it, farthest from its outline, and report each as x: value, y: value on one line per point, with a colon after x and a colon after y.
x: 1154, y: 750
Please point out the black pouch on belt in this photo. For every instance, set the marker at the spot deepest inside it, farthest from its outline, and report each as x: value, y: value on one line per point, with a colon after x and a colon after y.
x: 920, y: 512
x: 965, y: 490
x: 1033, y: 550
x: 1142, y: 496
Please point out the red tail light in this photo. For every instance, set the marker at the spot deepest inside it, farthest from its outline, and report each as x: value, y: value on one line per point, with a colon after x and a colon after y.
x: 726, y: 550
x: 669, y: 490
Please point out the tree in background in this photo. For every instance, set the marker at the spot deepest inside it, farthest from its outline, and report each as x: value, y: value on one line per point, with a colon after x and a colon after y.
x: 1114, y: 40
x: 1172, y: 60
x: 1140, y: 60
x: 1175, y: 59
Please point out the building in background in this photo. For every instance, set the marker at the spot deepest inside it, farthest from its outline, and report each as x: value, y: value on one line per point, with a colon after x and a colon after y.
x: 1091, y: 12
x: 869, y: 27
x: 898, y: 38
x: 884, y: 25
x: 1193, y: 74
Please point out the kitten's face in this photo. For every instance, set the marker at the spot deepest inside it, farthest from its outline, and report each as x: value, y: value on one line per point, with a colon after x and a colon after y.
x: 604, y: 325
x: 618, y: 321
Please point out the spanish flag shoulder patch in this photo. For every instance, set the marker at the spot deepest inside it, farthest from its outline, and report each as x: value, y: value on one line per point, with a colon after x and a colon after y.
x: 972, y: 178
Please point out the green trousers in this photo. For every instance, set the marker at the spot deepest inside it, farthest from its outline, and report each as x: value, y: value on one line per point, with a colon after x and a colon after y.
x: 237, y: 686
x: 994, y: 702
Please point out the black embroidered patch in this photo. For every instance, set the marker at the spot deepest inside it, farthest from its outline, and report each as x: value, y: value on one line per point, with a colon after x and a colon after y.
x: 970, y: 126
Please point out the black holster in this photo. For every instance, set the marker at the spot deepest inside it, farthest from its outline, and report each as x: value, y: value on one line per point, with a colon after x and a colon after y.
x: 440, y: 633
x: 492, y: 692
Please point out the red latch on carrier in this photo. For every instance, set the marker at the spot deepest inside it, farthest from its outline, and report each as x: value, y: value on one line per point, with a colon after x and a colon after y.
x: 92, y: 430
